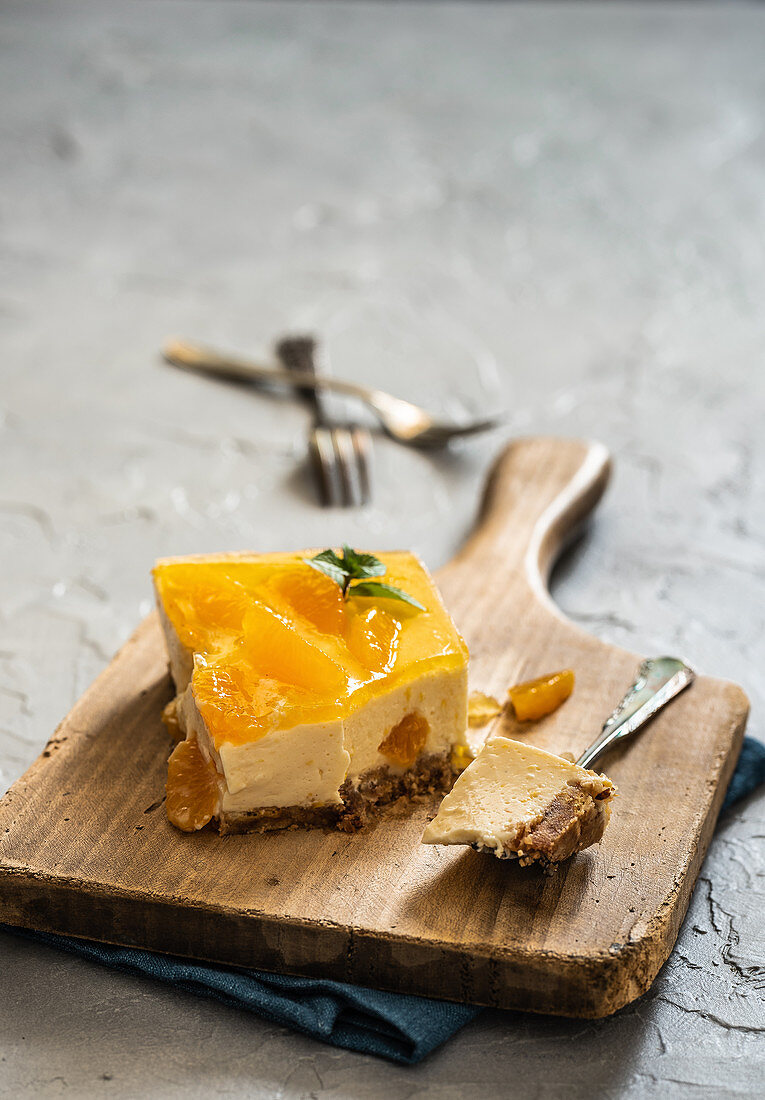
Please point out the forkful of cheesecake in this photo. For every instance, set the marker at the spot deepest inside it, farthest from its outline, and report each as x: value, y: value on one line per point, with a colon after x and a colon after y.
x: 521, y: 802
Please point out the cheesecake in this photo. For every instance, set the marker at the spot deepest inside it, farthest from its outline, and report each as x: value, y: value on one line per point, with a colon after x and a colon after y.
x: 520, y: 802
x: 298, y: 701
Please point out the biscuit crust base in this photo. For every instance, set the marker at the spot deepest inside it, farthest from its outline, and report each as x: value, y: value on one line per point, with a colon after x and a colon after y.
x: 430, y: 774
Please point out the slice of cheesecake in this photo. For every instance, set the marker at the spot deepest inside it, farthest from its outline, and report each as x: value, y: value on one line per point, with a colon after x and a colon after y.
x: 520, y: 802
x: 305, y: 706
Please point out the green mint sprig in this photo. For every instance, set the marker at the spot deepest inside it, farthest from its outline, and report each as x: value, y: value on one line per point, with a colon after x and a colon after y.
x: 351, y: 568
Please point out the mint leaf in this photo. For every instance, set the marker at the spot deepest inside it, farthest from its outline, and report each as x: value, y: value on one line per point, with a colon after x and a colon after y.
x: 353, y: 566
x: 328, y: 563
x: 384, y: 591
x: 331, y: 557
x: 360, y: 566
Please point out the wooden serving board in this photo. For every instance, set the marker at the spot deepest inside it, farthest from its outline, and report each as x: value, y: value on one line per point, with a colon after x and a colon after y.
x: 85, y: 848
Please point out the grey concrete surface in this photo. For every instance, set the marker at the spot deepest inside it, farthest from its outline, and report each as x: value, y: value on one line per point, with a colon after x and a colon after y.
x: 555, y: 209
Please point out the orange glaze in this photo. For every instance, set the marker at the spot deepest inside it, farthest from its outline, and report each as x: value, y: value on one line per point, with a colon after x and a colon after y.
x: 276, y: 645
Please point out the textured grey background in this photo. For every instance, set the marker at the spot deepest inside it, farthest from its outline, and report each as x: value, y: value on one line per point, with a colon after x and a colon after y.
x: 559, y: 210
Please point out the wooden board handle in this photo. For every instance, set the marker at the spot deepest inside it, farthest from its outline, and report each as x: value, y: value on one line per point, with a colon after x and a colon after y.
x: 538, y: 492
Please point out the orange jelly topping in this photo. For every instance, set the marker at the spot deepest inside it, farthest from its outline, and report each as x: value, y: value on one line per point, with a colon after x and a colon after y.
x: 276, y: 644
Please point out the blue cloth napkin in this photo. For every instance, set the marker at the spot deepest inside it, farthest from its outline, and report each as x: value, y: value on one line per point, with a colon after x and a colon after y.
x: 391, y: 1025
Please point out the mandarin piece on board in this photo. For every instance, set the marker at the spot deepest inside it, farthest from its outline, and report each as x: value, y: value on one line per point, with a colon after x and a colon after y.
x: 536, y: 698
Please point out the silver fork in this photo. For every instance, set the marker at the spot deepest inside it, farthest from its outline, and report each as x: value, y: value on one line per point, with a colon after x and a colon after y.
x: 340, y: 453
x: 403, y: 421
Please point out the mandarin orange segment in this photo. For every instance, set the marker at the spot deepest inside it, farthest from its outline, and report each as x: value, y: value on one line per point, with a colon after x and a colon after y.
x: 232, y: 701
x: 204, y: 603
x: 372, y: 638
x: 312, y: 596
x: 276, y: 649
x: 406, y: 740
x: 192, y: 788
x: 482, y: 708
x: 536, y: 698
x: 462, y: 756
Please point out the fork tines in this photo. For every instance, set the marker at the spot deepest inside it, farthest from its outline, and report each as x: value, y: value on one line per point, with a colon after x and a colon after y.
x: 341, y: 458
x: 340, y: 452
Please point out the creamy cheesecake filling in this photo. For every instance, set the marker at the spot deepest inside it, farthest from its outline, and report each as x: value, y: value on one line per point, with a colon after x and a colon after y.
x: 438, y: 698
x: 309, y: 763
x: 521, y: 802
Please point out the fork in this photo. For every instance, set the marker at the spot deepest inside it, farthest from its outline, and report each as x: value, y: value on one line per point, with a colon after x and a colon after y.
x: 339, y: 452
x: 403, y: 421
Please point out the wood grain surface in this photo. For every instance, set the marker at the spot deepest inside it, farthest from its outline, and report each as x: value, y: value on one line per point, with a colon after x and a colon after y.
x: 85, y: 848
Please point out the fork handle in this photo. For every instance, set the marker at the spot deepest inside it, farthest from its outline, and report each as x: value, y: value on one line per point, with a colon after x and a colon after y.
x: 658, y: 680
x: 193, y: 357
x: 297, y: 355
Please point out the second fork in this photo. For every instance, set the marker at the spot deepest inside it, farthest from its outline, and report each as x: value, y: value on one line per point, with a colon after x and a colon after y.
x: 340, y: 452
